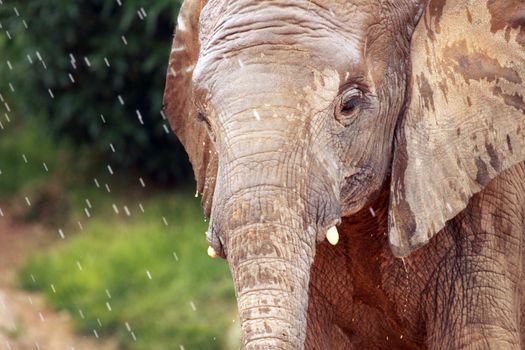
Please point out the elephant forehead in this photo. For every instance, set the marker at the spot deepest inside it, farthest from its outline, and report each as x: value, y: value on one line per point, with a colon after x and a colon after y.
x: 278, y: 86
x: 276, y: 28
x: 238, y: 19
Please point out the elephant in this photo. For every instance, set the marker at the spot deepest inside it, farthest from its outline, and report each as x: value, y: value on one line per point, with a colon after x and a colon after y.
x: 362, y: 166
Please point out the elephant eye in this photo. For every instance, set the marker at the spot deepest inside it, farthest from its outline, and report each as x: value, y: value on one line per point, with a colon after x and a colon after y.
x: 351, y: 100
x: 350, y: 103
x: 201, y: 117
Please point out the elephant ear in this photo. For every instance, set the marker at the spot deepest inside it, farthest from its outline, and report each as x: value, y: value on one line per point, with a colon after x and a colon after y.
x: 179, y: 106
x: 465, y: 115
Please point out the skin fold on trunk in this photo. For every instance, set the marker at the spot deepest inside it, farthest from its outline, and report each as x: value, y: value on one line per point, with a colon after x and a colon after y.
x: 270, y: 264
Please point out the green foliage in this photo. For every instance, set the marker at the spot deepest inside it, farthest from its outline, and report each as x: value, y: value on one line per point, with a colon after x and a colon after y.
x: 61, y: 37
x: 188, y: 300
x: 112, y: 252
x: 24, y: 157
x: 115, y: 251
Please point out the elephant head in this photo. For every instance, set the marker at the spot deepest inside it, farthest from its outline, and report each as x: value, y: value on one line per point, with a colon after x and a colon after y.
x: 296, y: 113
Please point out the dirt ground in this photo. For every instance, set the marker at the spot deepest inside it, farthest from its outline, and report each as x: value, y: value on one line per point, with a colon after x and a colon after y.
x: 26, y: 322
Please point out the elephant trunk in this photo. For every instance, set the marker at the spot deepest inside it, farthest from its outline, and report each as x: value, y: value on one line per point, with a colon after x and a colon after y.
x: 270, y: 246
x: 270, y: 265
x: 273, y: 201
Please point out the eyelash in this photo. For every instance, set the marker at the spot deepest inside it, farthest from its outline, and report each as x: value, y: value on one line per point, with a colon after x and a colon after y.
x: 351, y: 101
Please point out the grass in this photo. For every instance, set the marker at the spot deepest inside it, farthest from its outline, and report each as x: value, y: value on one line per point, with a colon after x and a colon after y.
x: 140, y: 276
x: 135, y: 272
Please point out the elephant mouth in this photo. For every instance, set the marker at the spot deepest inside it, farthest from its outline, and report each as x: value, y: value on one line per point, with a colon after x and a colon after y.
x: 361, y: 176
x: 357, y: 190
x: 219, y: 248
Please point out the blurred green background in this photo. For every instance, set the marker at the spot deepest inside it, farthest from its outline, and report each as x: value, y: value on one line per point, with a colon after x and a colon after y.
x: 86, y: 155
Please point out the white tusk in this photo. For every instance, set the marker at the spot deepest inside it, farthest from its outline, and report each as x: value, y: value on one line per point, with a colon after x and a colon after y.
x: 211, y: 252
x: 332, y: 235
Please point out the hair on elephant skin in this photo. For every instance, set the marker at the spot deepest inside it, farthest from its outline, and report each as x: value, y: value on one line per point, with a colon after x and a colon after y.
x: 362, y: 164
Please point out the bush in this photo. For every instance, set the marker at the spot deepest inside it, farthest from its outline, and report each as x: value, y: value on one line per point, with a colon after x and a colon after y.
x: 25, y: 154
x: 95, y: 72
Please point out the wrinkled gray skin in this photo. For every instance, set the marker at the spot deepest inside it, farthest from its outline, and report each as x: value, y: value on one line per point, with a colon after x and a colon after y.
x: 301, y: 100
